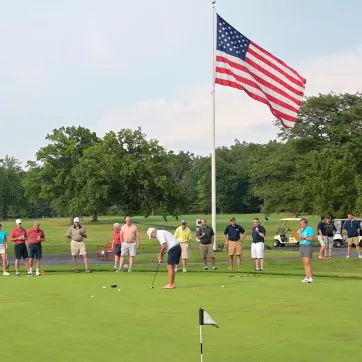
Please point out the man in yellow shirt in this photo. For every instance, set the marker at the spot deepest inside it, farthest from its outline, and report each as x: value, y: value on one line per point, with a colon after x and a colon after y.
x: 183, y: 235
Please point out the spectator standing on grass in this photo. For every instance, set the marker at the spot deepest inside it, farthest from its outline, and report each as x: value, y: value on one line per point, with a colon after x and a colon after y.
x: 116, y: 243
x: 77, y: 233
x: 322, y: 237
x: 3, y: 248
x: 257, y: 244
x: 36, y: 237
x: 330, y: 231
x: 352, y: 228
x: 171, y: 246
x: 20, y: 238
x: 130, y: 242
x: 306, y: 234
x: 206, y: 236
x: 183, y: 235
x: 233, y: 240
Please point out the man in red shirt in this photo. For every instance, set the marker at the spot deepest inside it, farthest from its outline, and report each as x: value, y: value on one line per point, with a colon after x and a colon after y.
x: 117, y: 244
x: 20, y: 237
x: 36, y: 237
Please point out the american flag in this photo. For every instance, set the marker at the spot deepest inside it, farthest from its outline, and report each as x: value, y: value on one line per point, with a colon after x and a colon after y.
x: 242, y: 64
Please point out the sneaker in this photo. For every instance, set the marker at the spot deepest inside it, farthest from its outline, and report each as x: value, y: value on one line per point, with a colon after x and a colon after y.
x: 30, y: 274
x: 88, y: 271
x: 347, y: 257
x: 184, y: 270
x: 261, y: 269
x: 129, y: 270
x: 360, y: 256
x: 320, y: 257
x: 238, y: 269
x: 76, y: 270
x: 257, y: 269
x: 115, y: 267
x: 305, y: 280
x: 206, y: 268
x: 37, y: 273
x: 6, y: 274
x: 119, y: 270
x: 214, y: 268
x: 310, y: 280
x: 330, y: 257
x: 17, y: 274
x: 176, y: 270
x: 230, y: 268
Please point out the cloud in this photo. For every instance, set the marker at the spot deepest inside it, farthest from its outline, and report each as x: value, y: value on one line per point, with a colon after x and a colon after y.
x: 185, y: 122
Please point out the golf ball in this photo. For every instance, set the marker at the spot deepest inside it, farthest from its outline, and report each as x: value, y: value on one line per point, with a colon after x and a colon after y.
x: 126, y: 265
x: 92, y: 296
x: 104, y: 287
x: 222, y: 286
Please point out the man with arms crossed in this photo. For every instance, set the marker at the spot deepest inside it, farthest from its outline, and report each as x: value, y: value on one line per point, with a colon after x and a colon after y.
x: 233, y: 242
x: 36, y: 237
x: 352, y: 228
x: 183, y: 235
x: 170, y: 245
x: 206, y: 236
x: 117, y: 243
x: 20, y: 237
x: 76, y: 233
x: 3, y: 248
x: 130, y: 241
x: 257, y: 245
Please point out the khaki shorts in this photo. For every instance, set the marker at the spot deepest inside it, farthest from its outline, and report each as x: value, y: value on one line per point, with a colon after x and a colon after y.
x: 234, y: 248
x: 207, y: 251
x: 185, y: 250
x: 322, y: 240
x: 128, y: 249
x: 353, y: 240
x: 77, y: 247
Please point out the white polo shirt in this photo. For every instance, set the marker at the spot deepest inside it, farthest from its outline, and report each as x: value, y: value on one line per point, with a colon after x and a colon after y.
x: 164, y: 236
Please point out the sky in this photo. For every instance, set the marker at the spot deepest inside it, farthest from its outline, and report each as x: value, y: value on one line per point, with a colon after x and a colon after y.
x: 111, y: 64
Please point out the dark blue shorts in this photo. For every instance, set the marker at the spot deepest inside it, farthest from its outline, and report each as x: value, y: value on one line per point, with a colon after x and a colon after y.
x: 21, y: 251
x: 35, y: 251
x: 174, y: 255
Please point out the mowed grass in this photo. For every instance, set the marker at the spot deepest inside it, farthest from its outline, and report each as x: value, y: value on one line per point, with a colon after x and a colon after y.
x: 101, y: 232
x: 266, y: 318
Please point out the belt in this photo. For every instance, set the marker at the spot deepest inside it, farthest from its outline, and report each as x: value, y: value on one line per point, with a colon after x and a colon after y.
x: 234, y: 240
x: 129, y: 242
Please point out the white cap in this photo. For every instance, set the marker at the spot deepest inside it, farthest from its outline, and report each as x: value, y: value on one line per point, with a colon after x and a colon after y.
x: 18, y: 221
x: 150, y: 231
x: 76, y: 219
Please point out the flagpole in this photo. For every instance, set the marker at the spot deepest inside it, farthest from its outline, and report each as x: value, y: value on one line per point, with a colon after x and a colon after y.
x: 213, y: 154
x: 201, y: 352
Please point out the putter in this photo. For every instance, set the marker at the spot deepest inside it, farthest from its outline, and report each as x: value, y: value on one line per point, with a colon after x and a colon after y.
x: 158, y: 265
x: 266, y: 219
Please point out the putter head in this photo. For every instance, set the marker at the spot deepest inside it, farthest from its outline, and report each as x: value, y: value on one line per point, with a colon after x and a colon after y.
x: 152, y: 287
x: 266, y: 219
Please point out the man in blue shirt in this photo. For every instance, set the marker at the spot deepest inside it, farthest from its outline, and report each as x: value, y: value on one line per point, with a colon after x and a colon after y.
x: 352, y: 228
x: 306, y: 234
x: 233, y: 242
x: 3, y: 248
x: 257, y: 245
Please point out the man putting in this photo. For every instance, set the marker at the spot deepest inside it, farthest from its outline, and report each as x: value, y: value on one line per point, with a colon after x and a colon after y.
x: 170, y: 245
x: 36, y: 237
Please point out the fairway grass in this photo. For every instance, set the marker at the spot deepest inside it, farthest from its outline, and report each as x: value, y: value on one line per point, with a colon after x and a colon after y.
x: 267, y: 318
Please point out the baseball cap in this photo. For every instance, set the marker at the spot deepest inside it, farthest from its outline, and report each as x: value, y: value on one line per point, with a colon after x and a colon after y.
x: 76, y: 219
x: 232, y: 219
x: 183, y: 222
x: 150, y: 231
x: 18, y: 221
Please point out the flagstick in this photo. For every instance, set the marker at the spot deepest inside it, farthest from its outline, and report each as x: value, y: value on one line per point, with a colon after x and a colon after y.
x: 213, y: 155
x: 201, y: 353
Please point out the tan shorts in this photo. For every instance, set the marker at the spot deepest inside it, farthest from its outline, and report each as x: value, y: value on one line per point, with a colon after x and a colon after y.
x: 128, y: 249
x: 77, y: 247
x: 207, y: 251
x: 234, y: 248
x: 185, y: 250
x: 353, y: 240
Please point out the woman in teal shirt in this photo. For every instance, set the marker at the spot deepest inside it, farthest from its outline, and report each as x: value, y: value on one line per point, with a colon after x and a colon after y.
x: 306, y: 233
x: 3, y: 247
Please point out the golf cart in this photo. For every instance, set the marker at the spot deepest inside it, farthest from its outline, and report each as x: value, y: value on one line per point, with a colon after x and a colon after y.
x: 284, y: 234
x: 339, y: 239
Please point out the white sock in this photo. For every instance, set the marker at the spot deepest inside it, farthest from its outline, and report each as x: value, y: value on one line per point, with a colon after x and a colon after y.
x: 37, y: 270
x: 31, y: 270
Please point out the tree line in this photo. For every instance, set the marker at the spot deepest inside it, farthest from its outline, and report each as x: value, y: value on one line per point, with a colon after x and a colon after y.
x: 314, y: 168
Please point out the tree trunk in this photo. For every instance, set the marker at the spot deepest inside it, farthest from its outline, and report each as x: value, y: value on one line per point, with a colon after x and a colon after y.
x: 95, y: 217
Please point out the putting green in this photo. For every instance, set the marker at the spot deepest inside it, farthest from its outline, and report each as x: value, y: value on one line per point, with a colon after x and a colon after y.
x: 266, y: 318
